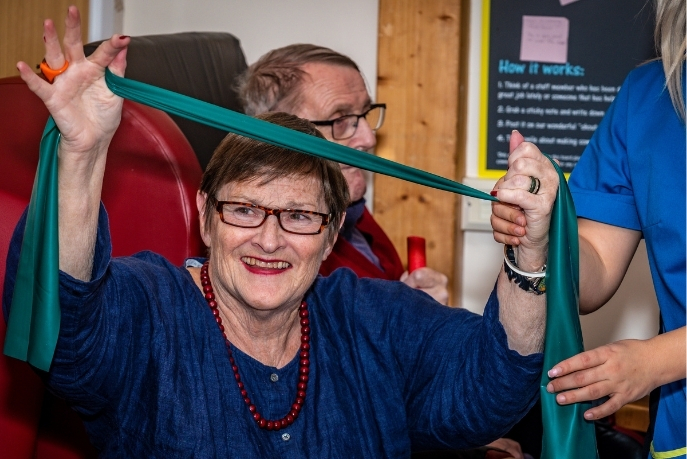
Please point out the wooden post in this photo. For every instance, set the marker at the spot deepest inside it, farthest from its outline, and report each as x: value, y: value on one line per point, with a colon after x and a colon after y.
x: 21, y: 29
x: 419, y: 72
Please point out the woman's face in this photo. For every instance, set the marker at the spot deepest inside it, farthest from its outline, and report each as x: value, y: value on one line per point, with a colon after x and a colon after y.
x: 265, y: 268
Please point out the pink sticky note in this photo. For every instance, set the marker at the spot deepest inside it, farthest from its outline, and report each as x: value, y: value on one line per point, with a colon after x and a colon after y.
x: 544, y: 39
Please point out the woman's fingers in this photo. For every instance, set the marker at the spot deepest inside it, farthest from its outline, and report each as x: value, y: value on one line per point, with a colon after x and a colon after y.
x: 515, y: 140
x: 118, y: 65
x: 531, y: 184
x: 595, y: 392
x: 112, y: 53
x: 613, y: 404
x: 73, y: 46
x: 86, y: 112
x: 508, y: 223
x: 53, y: 49
x: 581, y: 386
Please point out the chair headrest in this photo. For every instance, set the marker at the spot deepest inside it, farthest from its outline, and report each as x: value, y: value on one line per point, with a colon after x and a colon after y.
x: 203, y: 65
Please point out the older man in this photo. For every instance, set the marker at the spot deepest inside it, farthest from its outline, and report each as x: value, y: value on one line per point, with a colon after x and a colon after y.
x: 326, y: 87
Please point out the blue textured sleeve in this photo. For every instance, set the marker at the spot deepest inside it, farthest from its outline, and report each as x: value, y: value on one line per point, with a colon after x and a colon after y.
x: 458, y: 383
x: 114, y: 326
x: 470, y: 388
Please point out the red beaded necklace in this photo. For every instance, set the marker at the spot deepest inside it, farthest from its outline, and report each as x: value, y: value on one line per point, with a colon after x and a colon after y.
x: 303, y: 368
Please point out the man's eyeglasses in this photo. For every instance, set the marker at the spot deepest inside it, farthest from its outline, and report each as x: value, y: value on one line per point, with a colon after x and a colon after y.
x: 246, y: 215
x: 344, y: 127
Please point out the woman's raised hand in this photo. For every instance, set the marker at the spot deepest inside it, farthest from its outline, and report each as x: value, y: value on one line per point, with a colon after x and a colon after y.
x: 84, y: 109
x: 87, y: 114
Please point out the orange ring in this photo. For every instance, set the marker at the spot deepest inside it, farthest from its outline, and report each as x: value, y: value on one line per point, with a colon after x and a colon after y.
x: 49, y: 73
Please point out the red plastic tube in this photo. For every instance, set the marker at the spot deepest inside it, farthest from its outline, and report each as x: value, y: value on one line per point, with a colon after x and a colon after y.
x: 416, y: 253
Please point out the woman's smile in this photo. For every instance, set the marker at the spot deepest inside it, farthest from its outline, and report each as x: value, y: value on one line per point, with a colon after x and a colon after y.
x: 258, y: 266
x: 266, y: 267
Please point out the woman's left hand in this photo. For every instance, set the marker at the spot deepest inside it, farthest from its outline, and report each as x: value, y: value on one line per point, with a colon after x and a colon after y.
x: 528, y: 168
x: 508, y: 222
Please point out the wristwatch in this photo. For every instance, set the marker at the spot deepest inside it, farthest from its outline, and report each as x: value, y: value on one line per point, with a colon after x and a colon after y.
x: 529, y: 282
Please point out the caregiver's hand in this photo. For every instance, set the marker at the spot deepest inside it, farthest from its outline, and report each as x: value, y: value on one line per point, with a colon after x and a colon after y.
x: 624, y: 371
x: 617, y: 370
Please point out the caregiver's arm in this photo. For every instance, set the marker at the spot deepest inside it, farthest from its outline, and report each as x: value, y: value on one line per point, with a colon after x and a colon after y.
x: 523, y: 313
x: 605, y: 254
x: 87, y: 114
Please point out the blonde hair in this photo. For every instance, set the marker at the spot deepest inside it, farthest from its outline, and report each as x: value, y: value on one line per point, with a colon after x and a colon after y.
x: 669, y: 35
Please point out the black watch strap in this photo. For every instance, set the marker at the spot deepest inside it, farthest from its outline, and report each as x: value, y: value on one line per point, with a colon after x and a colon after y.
x: 536, y: 285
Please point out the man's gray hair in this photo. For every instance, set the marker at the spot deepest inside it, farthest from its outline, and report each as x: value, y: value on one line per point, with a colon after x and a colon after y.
x: 273, y: 83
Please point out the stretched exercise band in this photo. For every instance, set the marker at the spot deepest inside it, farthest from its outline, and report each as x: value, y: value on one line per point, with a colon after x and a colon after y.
x: 34, y: 321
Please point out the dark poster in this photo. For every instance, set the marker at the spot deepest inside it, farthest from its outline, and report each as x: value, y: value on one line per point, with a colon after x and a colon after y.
x: 552, y: 68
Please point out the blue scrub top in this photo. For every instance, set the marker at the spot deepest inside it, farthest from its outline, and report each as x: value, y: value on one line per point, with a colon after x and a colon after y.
x: 632, y: 175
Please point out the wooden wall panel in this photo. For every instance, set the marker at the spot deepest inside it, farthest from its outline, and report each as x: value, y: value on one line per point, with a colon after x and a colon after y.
x: 418, y: 78
x: 21, y: 29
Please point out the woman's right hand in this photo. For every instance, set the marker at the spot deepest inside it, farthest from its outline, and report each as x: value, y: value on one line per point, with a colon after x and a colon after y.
x: 87, y: 114
x: 84, y: 109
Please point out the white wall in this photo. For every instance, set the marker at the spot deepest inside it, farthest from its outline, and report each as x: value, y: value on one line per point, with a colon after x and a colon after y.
x: 349, y: 27
x: 631, y: 313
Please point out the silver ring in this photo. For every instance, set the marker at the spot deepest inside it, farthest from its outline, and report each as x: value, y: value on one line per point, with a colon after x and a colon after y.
x: 534, y: 185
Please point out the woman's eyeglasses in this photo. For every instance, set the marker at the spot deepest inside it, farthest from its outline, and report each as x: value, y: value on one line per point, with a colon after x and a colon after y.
x: 296, y: 221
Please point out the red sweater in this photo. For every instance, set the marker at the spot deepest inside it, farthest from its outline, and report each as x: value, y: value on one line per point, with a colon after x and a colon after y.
x: 345, y: 255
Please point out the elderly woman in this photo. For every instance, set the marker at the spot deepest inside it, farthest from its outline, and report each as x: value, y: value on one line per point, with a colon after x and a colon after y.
x: 249, y: 353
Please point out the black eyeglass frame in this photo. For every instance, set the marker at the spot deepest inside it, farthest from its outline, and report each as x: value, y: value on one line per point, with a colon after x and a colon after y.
x: 326, y: 218
x: 362, y: 115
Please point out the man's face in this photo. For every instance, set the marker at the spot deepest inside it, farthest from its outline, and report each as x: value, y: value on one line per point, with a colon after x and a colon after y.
x: 331, y: 91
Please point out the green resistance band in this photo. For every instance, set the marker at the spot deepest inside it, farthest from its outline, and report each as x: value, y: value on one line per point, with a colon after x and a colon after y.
x: 34, y: 321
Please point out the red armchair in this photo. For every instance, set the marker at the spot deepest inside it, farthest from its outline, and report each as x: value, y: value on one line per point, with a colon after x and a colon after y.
x: 149, y: 190
x: 153, y: 171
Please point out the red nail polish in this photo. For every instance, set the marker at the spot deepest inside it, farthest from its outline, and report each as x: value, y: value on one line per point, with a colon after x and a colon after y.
x: 44, y: 40
x: 122, y: 37
x: 493, y: 192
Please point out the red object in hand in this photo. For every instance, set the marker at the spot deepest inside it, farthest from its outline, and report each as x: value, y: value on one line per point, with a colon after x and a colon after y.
x: 416, y: 253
